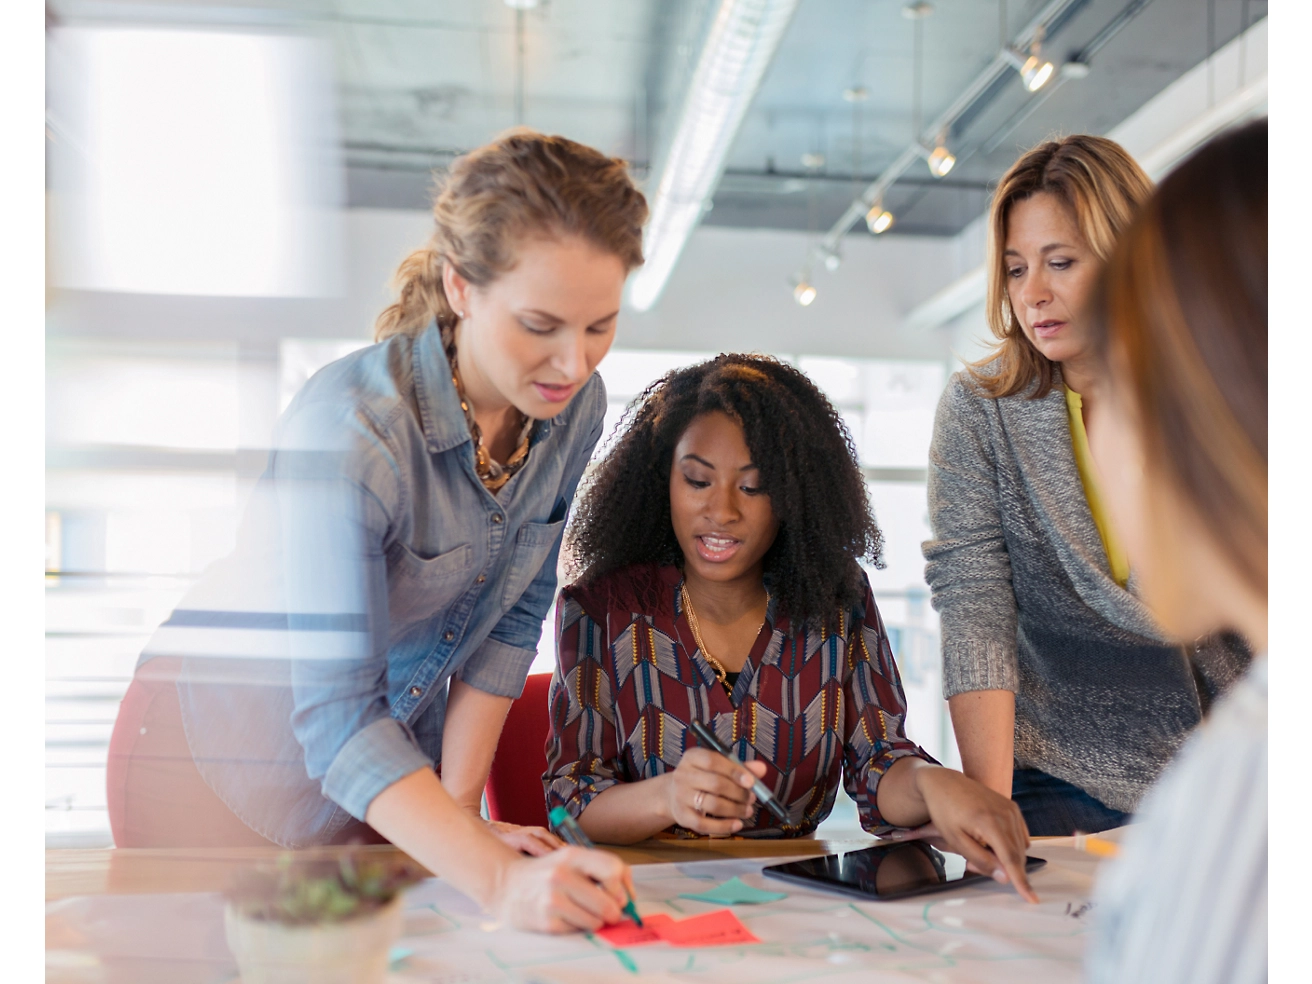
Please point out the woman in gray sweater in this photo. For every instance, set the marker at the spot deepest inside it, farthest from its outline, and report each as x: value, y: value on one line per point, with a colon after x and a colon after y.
x: 1064, y: 692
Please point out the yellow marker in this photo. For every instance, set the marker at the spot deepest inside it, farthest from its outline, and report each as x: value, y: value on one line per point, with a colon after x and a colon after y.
x: 1093, y: 844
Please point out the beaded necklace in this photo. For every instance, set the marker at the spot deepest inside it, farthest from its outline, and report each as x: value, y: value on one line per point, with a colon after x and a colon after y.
x: 492, y: 473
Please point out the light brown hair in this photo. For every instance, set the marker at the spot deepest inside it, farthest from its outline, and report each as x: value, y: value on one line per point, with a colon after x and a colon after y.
x: 520, y: 184
x: 1182, y: 311
x: 1103, y: 187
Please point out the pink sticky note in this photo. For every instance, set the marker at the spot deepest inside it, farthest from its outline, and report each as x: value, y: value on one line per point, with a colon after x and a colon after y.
x: 627, y: 933
x: 719, y: 928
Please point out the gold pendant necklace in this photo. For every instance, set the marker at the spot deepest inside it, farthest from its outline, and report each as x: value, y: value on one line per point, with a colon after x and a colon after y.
x: 716, y: 666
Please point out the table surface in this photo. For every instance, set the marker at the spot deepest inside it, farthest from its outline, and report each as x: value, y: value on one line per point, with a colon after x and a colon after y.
x: 138, y: 916
x: 134, y: 871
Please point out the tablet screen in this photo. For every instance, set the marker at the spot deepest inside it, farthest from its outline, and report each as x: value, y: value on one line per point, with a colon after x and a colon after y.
x: 885, y: 872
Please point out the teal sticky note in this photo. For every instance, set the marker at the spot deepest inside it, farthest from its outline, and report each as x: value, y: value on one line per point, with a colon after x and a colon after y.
x: 735, y: 892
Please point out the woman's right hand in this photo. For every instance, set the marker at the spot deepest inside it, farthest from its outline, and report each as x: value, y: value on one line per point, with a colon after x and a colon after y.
x: 709, y: 794
x: 569, y: 889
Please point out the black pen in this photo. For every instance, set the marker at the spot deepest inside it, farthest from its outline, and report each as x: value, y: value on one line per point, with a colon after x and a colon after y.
x: 568, y: 830
x: 762, y: 791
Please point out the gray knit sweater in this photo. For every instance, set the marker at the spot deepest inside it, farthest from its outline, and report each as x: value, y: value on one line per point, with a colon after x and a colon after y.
x: 1018, y: 573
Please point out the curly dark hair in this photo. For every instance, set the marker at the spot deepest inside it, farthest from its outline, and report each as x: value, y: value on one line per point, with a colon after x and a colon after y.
x: 808, y: 468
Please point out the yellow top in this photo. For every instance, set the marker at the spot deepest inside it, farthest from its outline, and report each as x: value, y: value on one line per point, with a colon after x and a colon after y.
x: 1116, y: 558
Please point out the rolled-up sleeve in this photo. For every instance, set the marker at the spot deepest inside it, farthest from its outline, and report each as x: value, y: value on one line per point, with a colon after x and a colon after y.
x: 967, y: 565
x: 583, y: 758
x: 875, y: 712
x: 498, y: 668
x: 379, y: 754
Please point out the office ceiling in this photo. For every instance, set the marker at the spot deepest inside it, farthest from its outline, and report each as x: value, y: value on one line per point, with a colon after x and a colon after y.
x: 421, y: 80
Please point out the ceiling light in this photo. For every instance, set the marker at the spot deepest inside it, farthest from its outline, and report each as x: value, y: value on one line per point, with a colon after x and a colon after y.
x: 1035, y: 70
x: 856, y: 94
x: 940, y: 158
x: 879, y: 219
x: 803, y: 293
x: 1035, y: 73
x: 522, y: 4
x: 813, y: 162
x: 833, y: 260
x: 741, y: 41
x: 917, y: 9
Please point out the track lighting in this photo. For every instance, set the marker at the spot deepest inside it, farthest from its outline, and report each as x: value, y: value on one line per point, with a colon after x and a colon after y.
x: 1034, y: 70
x: 940, y: 159
x: 833, y: 260
x: 879, y: 219
x: 803, y: 292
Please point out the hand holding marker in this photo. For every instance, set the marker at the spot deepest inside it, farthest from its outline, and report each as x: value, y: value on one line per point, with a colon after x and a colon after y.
x: 762, y: 791
x: 568, y: 830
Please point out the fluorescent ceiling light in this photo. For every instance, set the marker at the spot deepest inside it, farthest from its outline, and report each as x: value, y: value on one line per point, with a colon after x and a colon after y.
x: 742, y: 39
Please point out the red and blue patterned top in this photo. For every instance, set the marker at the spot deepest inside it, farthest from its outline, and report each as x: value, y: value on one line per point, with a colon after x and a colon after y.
x: 811, y: 705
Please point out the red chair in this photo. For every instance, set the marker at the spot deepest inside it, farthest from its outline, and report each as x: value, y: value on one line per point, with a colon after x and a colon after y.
x: 514, y: 786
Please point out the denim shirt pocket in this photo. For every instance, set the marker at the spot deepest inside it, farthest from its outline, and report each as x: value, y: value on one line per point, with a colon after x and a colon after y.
x: 532, y: 545
x: 418, y: 587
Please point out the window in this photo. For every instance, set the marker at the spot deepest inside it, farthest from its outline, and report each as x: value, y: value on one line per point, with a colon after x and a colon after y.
x: 153, y: 447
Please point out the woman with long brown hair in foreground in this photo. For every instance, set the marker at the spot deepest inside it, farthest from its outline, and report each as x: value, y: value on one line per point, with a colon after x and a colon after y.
x: 1180, y: 438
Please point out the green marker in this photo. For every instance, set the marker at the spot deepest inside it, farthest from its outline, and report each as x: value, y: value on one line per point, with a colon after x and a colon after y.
x: 568, y: 830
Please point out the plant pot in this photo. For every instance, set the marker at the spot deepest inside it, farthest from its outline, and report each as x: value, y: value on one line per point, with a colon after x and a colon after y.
x: 353, y: 951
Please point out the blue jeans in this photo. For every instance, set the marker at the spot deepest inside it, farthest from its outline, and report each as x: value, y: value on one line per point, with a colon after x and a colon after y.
x: 1053, y: 807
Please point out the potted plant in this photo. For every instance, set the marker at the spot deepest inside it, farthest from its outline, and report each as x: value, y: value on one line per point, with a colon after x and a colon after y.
x: 317, y: 919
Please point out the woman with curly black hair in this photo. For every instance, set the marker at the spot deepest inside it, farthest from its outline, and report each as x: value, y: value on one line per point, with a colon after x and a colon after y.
x: 716, y: 549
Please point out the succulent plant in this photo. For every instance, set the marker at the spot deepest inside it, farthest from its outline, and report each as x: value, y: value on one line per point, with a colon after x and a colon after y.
x: 300, y: 891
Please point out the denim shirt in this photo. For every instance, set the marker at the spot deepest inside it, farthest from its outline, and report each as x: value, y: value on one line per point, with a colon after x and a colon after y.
x: 372, y: 566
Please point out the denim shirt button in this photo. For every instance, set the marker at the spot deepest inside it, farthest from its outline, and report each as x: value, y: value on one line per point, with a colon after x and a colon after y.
x: 415, y: 691
x: 480, y: 579
x: 496, y: 518
x: 448, y: 635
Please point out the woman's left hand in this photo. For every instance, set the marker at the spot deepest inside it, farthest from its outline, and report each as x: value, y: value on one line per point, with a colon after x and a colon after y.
x: 972, y: 820
x: 536, y: 841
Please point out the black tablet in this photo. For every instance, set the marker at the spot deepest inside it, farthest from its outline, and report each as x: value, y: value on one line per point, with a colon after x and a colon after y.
x: 887, y: 872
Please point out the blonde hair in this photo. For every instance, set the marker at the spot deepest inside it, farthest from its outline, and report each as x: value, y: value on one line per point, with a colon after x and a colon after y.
x: 1104, y: 188
x: 521, y: 183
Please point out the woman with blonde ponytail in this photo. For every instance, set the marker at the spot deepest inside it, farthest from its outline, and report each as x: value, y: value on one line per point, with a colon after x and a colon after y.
x: 345, y: 674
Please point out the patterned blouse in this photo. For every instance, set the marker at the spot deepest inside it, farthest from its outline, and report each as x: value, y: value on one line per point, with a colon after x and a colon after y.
x: 629, y: 679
